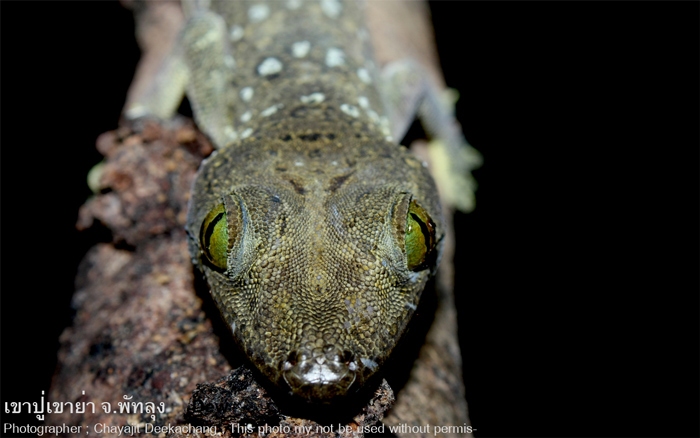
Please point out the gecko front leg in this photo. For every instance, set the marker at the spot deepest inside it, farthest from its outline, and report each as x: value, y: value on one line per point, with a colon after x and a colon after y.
x: 410, y: 92
x: 198, y: 62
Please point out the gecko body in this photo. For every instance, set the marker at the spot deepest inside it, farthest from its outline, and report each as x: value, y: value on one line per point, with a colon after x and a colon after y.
x: 316, y: 231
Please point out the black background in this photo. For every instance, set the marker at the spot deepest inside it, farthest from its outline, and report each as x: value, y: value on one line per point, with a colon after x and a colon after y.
x: 577, y: 275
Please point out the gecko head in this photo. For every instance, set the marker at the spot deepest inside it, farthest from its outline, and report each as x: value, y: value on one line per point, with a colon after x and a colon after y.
x: 317, y: 284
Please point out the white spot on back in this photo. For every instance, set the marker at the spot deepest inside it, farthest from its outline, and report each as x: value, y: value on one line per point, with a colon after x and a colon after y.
x: 271, y: 110
x: 246, y: 116
x: 313, y: 98
x: 236, y: 33
x: 331, y: 8
x: 350, y: 110
x: 363, y: 102
x: 246, y: 133
x: 293, y: 4
x: 364, y: 76
x: 229, y: 61
x: 258, y: 13
x: 246, y: 94
x: 335, y: 57
x: 269, y: 66
x: 298, y: 163
x: 384, y: 123
x: 301, y: 49
x: 334, y: 163
x: 373, y: 116
x: 230, y: 133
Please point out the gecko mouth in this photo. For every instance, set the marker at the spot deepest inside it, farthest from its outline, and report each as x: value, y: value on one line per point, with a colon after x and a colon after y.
x: 320, y: 374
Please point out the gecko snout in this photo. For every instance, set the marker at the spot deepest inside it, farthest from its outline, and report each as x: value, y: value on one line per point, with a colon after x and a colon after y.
x: 320, y: 373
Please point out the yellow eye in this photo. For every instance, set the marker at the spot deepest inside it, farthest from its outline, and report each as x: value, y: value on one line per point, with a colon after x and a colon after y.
x: 420, y: 237
x: 213, y: 237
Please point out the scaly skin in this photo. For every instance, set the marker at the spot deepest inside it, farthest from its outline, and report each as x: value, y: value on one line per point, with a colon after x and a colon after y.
x: 315, y: 283
x: 317, y: 266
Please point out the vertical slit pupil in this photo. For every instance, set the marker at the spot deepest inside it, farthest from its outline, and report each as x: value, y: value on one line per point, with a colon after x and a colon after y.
x: 209, y: 231
x: 419, y: 255
x: 427, y: 238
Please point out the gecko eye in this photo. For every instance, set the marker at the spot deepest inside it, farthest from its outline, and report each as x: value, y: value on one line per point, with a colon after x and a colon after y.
x: 420, y: 237
x: 213, y: 237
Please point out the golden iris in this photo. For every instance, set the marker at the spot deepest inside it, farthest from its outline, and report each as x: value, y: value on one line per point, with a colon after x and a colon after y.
x: 420, y: 237
x: 214, y: 237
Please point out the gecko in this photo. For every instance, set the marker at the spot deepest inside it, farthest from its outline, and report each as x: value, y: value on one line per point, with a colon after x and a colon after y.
x: 315, y: 230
